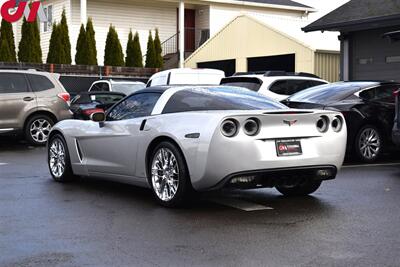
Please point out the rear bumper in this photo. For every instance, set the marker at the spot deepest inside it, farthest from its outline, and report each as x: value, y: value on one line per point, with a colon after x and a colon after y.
x: 276, y: 177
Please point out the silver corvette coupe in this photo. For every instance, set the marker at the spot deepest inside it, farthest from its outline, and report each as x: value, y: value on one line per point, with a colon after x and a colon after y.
x: 178, y: 140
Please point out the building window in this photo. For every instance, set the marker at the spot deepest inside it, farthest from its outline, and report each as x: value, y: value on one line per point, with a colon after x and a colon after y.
x: 365, y: 61
x: 49, y: 14
x: 393, y: 59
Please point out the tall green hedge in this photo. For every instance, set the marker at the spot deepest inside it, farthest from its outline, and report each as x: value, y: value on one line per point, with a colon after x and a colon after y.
x: 134, y: 56
x: 81, y: 47
x: 113, y: 55
x: 29, y: 49
x: 64, y: 36
x: 57, y: 53
x: 7, y: 35
x: 5, y: 52
x: 151, y: 61
x: 91, y: 43
x: 158, y: 49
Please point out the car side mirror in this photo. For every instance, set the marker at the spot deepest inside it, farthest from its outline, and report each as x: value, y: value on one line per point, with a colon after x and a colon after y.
x: 99, y: 117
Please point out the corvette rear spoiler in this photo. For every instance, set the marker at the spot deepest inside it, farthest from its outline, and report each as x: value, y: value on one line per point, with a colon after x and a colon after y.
x: 288, y: 112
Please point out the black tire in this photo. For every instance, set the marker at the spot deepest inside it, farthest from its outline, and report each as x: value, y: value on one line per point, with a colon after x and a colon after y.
x: 303, y: 189
x: 67, y: 174
x: 184, y: 189
x: 360, y: 137
x: 43, y: 133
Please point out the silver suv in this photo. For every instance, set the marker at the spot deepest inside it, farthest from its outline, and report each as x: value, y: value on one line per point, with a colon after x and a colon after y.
x: 31, y: 102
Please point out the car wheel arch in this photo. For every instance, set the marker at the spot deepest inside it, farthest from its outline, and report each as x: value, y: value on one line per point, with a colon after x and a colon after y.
x: 153, y: 144
x: 40, y: 112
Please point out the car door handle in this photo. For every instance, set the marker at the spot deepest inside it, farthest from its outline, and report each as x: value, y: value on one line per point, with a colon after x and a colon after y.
x: 28, y: 98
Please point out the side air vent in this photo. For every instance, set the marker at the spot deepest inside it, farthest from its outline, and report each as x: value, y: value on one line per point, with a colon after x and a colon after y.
x: 78, y: 148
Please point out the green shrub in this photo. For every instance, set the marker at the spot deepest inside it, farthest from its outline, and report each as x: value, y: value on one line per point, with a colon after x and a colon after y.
x: 7, y: 34
x: 151, y: 53
x: 113, y: 55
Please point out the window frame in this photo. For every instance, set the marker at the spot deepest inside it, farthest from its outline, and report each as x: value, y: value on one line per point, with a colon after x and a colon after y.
x: 127, y: 97
x: 28, y: 86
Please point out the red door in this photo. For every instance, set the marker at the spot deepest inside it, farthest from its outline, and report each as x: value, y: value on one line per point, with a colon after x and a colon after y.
x: 190, y: 32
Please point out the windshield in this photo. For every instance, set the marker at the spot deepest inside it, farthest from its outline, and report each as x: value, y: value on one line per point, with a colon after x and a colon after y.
x: 327, y: 93
x: 219, y: 98
x: 127, y: 88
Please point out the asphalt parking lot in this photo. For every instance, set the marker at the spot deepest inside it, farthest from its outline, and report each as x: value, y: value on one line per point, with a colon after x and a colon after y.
x: 351, y: 221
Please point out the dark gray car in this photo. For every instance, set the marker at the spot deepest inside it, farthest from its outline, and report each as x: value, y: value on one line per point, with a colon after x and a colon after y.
x: 31, y: 102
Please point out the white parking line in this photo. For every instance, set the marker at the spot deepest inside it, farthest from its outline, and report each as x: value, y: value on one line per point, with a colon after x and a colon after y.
x: 372, y: 165
x: 2, y: 163
x: 240, y: 204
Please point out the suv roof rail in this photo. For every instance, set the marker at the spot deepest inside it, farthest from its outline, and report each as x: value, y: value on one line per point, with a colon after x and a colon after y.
x: 5, y: 67
x: 284, y: 73
x: 272, y: 73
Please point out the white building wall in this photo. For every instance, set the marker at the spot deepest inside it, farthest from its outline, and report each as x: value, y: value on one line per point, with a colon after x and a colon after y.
x: 140, y: 16
x: 221, y: 15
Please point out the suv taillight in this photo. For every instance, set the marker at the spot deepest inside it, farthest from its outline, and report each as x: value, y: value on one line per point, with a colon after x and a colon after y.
x: 396, y: 93
x: 65, y: 96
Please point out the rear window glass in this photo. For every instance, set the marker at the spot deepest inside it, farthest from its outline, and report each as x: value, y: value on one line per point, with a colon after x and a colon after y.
x: 252, y: 84
x: 219, y: 98
x: 291, y: 86
x: 13, y: 83
x: 327, y: 93
x: 99, y: 98
x: 127, y: 88
x: 40, y: 83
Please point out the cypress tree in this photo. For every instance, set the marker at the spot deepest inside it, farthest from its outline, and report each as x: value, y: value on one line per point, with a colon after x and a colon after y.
x: 137, y: 52
x: 134, y: 56
x: 7, y: 34
x: 113, y: 55
x: 65, y: 42
x: 129, y: 51
x: 56, y: 53
x: 158, y: 49
x: 91, y: 43
x: 151, y: 53
x: 81, y: 56
x: 5, y: 52
x: 29, y: 49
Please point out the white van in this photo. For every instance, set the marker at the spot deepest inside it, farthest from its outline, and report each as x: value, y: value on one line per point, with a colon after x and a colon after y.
x: 187, y: 77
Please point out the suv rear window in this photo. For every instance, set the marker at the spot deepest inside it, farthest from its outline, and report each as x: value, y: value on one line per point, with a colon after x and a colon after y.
x: 252, y: 84
x: 13, y: 83
x: 290, y: 87
x: 39, y: 83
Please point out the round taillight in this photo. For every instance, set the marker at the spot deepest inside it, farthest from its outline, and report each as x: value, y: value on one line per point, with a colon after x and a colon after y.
x: 323, y: 124
x: 337, y: 124
x: 251, y: 127
x: 229, y: 128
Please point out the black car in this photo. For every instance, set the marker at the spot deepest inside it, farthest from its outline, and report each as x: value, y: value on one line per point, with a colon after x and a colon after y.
x: 368, y: 107
x: 87, y: 103
x: 396, y: 126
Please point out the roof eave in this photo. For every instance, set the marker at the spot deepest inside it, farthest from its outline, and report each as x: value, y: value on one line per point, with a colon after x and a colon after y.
x: 339, y: 26
x: 264, y: 5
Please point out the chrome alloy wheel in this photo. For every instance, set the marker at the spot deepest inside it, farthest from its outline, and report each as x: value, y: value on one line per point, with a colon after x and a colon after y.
x: 57, y: 158
x: 40, y: 130
x: 369, y: 143
x: 165, y: 174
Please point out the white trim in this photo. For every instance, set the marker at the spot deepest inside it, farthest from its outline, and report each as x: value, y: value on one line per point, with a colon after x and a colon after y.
x: 83, y: 11
x: 181, y: 34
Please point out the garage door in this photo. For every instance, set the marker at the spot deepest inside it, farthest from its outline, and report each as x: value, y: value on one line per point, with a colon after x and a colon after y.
x: 229, y: 66
x: 280, y: 62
